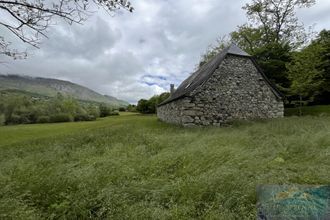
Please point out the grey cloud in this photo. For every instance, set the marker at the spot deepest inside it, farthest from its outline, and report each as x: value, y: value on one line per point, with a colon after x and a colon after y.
x: 77, y: 41
x: 317, y: 15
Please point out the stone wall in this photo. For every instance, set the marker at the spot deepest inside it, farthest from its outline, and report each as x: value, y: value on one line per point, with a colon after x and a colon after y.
x: 172, y: 112
x: 235, y: 91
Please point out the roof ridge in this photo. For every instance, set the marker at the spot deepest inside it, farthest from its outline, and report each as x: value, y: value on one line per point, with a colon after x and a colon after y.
x: 235, y: 50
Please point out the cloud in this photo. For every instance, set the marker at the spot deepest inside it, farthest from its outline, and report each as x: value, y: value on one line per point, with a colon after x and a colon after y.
x: 137, y: 55
x: 88, y: 42
x: 317, y: 14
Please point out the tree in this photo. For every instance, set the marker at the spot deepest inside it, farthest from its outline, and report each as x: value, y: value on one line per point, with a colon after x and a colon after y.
x: 271, y: 35
x: 324, y: 41
x: 71, y: 106
x: 306, y: 77
x: 278, y: 20
x: 2, y: 119
x: 131, y: 108
x: 309, y: 71
x: 213, y: 50
x: 93, y: 110
x: 150, y: 106
x: 276, y: 33
x: 248, y: 38
x: 142, y: 106
x: 105, y: 110
x: 162, y: 97
x: 29, y: 19
x: 271, y: 56
x: 56, y: 104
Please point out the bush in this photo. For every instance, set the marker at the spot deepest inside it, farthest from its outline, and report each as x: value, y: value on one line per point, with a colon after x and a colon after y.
x: 122, y: 109
x: 93, y: 111
x: 24, y: 109
x: 91, y: 118
x: 14, y: 119
x: 84, y: 117
x: 43, y: 119
x: 24, y: 119
x: 105, y: 110
x: 2, y: 119
x: 114, y: 113
x: 149, y: 106
x: 61, y: 118
x: 142, y: 106
x: 131, y: 108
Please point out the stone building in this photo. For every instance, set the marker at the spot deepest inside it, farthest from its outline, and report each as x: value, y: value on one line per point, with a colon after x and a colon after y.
x: 229, y: 87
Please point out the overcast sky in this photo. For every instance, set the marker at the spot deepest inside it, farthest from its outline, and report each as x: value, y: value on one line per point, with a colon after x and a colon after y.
x: 137, y: 55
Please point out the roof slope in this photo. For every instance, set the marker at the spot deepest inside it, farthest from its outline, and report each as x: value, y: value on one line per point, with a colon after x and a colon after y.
x: 205, y: 72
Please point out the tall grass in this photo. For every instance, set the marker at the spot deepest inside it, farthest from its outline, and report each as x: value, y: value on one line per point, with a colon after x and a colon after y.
x: 135, y: 167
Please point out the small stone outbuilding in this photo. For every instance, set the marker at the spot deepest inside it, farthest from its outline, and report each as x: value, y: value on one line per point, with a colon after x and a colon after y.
x: 229, y: 87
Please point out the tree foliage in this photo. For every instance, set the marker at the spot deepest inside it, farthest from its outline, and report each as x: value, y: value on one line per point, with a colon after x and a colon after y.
x: 29, y: 19
x: 277, y: 20
x: 273, y: 58
x: 324, y: 41
x: 17, y: 108
x: 105, y: 110
x: 2, y: 119
x: 213, y: 50
x: 249, y: 38
x: 305, y: 77
x: 143, y: 106
x: 309, y: 71
x: 272, y: 35
x: 131, y: 108
x: 150, y: 106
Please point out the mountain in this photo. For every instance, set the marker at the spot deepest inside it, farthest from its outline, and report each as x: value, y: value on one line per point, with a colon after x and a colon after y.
x: 50, y: 87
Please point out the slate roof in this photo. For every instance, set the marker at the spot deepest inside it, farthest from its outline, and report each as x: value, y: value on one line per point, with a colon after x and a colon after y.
x: 205, y: 72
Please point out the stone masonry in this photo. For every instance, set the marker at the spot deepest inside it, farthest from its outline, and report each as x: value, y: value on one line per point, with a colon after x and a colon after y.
x: 236, y: 90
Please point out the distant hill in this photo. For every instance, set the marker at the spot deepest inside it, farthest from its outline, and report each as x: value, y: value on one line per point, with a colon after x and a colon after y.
x: 50, y: 87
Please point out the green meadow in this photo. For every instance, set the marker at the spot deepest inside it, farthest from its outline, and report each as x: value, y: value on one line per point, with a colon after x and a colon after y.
x: 136, y: 167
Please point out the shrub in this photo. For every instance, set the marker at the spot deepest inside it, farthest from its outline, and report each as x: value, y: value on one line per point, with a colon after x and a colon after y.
x: 122, y: 109
x: 149, y: 106
x: 114, y: 113
x: 24, y: 119
x: 43, y: 119
x: 91, y: 118
x: 23, y: 109
x: 105, y: 110
x: 2, y: 119
x: 14, y: 119
x: 61, y: 118
x: 84, y: 117
x: 131, y: 108
x: 33, y: 117
x: 93, y: 111
x: 80, y: 117
x: 142, y: 106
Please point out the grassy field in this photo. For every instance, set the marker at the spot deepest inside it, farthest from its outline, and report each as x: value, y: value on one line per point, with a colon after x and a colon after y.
x: 135, y: 167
